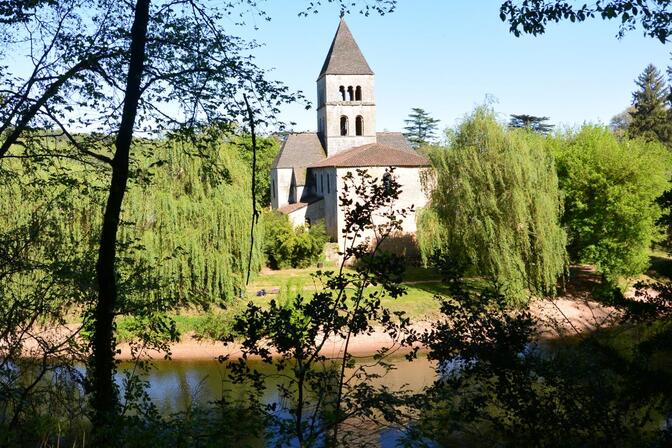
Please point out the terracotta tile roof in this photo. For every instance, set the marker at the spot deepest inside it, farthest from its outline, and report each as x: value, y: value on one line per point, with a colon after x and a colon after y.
x: 373, y: 154
x: 305, y: 202
x: 299, y: 150
x: 344, y: 57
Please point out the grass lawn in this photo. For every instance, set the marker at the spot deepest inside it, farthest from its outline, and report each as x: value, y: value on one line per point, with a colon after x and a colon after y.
x: 418, y: 302
x: 421, y: 287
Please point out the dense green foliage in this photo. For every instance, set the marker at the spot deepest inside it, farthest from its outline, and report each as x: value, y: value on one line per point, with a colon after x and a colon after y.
x: 289, y: 247
x: 185, y: 221
x: 610, y: 188
x: 495, y: 207
x: 651, y: 111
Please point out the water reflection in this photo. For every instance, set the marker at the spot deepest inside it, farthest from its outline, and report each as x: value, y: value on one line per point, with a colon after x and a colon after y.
x: 177, y: 385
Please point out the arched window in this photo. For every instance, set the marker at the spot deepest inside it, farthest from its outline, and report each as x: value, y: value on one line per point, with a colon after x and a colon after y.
x: 344, y: 125
x: 358, y: 93
x: 359, y: 125
x: 342, y: 91
x: 351, y: 93
x: 388, y: 183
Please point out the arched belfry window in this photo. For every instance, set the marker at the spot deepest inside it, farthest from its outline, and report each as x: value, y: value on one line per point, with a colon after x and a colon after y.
x: 358, y: 93
x: 342, y: 92
x: 344, y: 125
x: 359, y: 125
x: 351, y: 93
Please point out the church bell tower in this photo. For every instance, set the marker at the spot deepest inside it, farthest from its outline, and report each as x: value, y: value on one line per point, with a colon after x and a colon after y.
x: 346, y: 108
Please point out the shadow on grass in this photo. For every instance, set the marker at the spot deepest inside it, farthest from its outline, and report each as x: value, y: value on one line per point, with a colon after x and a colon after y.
x: 438, y: 287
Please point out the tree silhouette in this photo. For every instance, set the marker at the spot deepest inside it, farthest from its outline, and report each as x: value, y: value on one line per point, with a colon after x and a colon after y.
x: 536, y: 124
x: 420, y: 127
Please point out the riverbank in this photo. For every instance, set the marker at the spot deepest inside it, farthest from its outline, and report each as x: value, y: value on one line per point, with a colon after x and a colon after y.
x: 557, y: 318
x: 573, y: 313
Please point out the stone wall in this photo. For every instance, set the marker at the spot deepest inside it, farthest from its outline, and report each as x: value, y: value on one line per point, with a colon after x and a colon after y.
x: 331, y: 107
x: 282, y: 179
x: 412, y: 194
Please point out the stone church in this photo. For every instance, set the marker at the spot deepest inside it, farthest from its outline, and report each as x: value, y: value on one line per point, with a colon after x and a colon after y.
x: 307, y: 175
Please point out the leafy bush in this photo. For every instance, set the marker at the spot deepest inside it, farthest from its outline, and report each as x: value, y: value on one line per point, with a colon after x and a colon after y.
x: 286, y: 246
x: 610, y: 189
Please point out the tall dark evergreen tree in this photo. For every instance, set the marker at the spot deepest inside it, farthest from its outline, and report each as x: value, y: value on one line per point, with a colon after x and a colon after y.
x: 420, y: 127
x: 650, y: 118
x: 536, y: 124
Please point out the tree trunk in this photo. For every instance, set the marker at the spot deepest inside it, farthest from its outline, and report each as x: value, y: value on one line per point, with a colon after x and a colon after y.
x: 104, y: 399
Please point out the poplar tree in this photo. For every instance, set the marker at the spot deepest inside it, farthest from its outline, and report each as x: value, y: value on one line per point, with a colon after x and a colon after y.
x: 650, y: 117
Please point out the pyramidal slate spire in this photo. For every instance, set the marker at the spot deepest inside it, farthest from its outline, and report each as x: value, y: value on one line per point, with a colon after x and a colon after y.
x: 344, y: 57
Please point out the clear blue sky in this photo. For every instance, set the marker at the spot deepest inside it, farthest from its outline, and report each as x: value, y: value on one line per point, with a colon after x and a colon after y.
x: 447, y: 56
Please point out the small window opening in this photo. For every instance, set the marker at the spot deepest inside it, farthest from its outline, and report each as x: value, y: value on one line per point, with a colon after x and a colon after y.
x: 351, y: 94
x: 342, y: 91
x: 273, y: 188
x: 321, y: 183
x: 328, y: 187
x: 387, y: 182
x: 358, y: 93
x: 344, y: 125
x: 359, y: 125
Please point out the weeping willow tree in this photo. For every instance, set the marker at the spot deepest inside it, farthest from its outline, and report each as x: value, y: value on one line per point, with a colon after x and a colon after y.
x: 185, y: 223
x: 495, y: 207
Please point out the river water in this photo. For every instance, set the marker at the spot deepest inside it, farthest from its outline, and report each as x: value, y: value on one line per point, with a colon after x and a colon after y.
x: 175, y: 386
